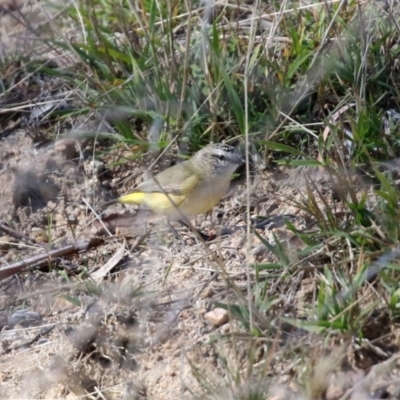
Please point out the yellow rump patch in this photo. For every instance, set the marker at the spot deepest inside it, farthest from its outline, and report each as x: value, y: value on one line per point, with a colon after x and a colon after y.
x: 157, y: 202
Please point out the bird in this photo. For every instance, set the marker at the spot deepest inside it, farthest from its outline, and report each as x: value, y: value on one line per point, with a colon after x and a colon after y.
x: 190, y: 188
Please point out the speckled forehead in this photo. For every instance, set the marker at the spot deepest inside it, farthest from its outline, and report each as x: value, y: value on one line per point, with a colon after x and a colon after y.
x: 224, y: 148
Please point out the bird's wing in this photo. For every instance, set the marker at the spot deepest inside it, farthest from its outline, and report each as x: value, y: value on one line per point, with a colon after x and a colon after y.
x: 174, y: 180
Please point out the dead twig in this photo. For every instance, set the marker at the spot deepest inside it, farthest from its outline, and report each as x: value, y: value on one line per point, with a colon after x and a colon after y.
x: 43, y: 259
x: 24, y: 345
x: 15, y: 234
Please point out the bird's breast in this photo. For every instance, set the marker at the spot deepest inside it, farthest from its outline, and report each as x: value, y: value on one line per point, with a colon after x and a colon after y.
x: 206, y: 196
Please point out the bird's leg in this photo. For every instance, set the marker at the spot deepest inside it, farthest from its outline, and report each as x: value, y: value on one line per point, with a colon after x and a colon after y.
x: 196, y: 232
x: 209, y: 214
x: 216, y: 224
x: 176, y: 234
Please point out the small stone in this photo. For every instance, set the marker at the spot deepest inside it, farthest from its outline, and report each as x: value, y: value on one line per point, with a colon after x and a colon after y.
x: 96, y: 167
x: 167, y: 346
x: 207, y: 293
x: 39, y: 234
x: 72, y: 220
x: 51, y: 205
x: 217, y: 317
x: 5, y: 242
x: 226, y: 328
x: 114, y: 181
x: 25, y: 318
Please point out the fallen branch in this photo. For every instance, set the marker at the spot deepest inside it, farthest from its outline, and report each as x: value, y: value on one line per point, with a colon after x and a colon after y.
x: 15, y: 234
x: 43, y: 259
x: 98, y: 275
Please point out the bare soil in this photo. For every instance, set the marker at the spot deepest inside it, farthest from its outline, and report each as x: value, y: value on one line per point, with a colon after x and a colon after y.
x: 128, y: 318
x: 142, y: 328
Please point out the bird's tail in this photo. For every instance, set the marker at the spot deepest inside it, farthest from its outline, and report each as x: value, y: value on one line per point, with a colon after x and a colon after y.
x: 132, y: 198
x: 109, y: 203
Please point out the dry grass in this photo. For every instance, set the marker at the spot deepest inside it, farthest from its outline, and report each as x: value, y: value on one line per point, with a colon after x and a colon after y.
x: 93, y: 95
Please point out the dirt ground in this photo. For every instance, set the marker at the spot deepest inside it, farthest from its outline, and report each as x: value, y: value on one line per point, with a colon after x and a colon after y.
x: 141, y: 329
x: 130, y: 317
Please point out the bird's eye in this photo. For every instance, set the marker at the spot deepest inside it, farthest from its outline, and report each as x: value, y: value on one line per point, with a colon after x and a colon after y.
x: 221, y: 157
